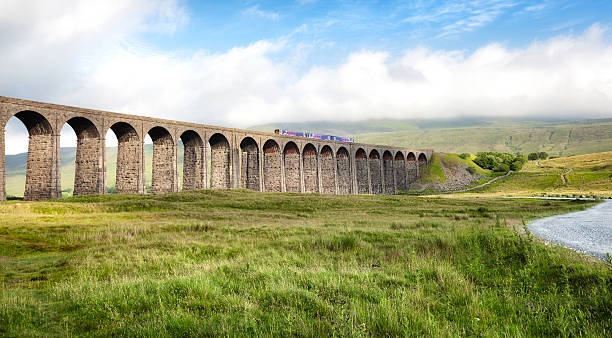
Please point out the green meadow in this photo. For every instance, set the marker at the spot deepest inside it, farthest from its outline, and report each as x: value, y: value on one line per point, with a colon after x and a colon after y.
x: 239, y: 263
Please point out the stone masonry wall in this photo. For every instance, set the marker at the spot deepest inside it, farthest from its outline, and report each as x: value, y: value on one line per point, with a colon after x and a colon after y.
x: 375, y: 177
x: 400, y: 174
x: 129, y: 150
x: 163, y: 164
x: 87, y: 166
x: 388, y: 172
x: 39, y: 183
x: 220, y: 166
x: 292, y: 172
x: 272, y: 169
x: 363, y: 186
x: 344, y: 174
x: 311, y: 181
x: 192, y: 167
x: 249, y: 168
x: 411, y: 169
x: 328, y: 169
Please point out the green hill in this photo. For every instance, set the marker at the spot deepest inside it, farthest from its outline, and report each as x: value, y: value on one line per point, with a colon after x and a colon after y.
x: 558, y: 138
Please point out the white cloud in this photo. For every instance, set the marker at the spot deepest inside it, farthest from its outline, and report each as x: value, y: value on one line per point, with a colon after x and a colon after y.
x: 566, y: 76
x: 255, y: 11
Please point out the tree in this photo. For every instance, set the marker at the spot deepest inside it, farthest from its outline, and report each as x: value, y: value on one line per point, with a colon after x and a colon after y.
x: 516, y: 165
x: 465, y: 156
x: 533, y: 156
x: 542, y: 155
x: 502, y: 168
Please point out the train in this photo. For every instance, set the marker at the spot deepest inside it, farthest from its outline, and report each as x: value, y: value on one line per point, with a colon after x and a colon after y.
x: 315, y: 136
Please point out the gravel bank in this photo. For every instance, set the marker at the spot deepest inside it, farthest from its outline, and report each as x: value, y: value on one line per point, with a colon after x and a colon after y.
x: 588, y: 231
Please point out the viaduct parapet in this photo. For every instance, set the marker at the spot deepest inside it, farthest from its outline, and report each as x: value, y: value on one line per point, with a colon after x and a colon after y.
x: 214, y: 157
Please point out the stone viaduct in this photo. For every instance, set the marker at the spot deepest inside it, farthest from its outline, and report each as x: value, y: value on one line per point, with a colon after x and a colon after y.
x: 214, y: 157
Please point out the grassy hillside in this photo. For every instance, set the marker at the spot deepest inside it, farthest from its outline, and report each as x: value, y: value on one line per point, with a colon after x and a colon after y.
x: 591, y: 175
x: 237, y: 263
x: 469, y: 135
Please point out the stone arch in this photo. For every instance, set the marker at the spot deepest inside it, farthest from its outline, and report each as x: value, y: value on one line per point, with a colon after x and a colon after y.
x: 389, y: 183
x: 41, y: 181
x: 193, y: 160
x: 310, y: 168
x: 328, y: 170
x: 249, y: 164
x: 129, y: 155
x: 88, y: 161
x: 376, y: 179
x: 400, y: 171
x: 422, y: 159
x: 343, y: 167
x: 411, y: 169
x: 291, y: 162
x: 219, y: 162
x: 362, y: 172
x: 162, y: 177
x: 272, y: 166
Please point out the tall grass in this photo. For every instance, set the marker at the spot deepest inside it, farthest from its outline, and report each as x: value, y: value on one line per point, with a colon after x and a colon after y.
x: 238, y: 263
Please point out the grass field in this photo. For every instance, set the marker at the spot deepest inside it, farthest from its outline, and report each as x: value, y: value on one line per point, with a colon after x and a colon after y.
x: 237, y: 263
x: 591, y: 175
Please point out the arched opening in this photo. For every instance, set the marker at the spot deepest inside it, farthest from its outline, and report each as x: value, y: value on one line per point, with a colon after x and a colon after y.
x: 328, y: 170
x: 376, y: 179
x: 272, y: 166
x: 422, y: 159
x: 28, y: 157
x: 389, y: 183
x: 310, y: 167
x: 343, y: 167
x: 362, y: 172
x: 40, y: 180
x: 193, y: 161
x: 85, y: 159
x: 291, y: 162
x: 219, y: 162
x: 127, y: 177
x: 249, y: 164
x: 411, y: 169
x: 400, y: 171
x: 163, y: 164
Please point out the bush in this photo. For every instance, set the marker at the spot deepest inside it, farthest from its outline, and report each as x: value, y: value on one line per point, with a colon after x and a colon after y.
x: 542, y: 155
x: 465, y: 156
x: 502, y: 168
x: 472, y: 170
x: 533, y: 156
x: 501, y: 162
x: 516, y: 165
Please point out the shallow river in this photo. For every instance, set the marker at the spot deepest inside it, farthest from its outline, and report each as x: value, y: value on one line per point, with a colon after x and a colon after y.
x: 588, y: 231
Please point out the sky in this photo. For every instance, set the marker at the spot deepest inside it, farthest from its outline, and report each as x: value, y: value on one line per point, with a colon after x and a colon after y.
x: 242, y: 63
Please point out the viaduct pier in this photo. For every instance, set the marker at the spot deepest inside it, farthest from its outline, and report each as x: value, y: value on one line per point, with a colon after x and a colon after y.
x: 214, y: 157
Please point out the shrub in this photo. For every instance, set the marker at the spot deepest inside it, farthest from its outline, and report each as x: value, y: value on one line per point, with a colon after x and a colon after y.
x: 502, y: 168
x: 471, y: 170
x: 465, y: 156
x: 542, y: 155
x: 516, y: 165
x: 533, y: 156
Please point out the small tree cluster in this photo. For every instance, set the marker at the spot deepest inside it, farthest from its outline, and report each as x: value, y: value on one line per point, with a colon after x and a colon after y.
x: 537, y: 156
x: 465, y: 156
x: 500, y: 162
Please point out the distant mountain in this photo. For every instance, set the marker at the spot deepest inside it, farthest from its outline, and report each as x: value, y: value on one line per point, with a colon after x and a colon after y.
x: 557, y: 137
